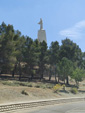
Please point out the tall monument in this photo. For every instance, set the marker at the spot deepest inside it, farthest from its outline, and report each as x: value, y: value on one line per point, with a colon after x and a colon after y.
x: 41, y: 32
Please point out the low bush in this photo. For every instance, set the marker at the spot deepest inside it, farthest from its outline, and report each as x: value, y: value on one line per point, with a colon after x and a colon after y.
x: 29, y: 85
x: 9, y: 83
x: 56, y: 88
x: 49, y: 86
x: 25, y: 84
x: 24, y: 92
x: 22, y: 84
x: 74, y: 90
x: 64, y: 87
x: 37, y: 86
x: 44, y: 85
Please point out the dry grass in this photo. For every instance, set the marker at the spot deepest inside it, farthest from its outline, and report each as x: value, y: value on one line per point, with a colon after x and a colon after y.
x: 10, y: 91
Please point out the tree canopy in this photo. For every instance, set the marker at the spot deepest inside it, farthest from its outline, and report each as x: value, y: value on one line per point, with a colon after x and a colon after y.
x: 22, y: 55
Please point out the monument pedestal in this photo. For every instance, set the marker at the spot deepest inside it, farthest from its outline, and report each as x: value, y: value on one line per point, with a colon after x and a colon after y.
x: 42, y: 35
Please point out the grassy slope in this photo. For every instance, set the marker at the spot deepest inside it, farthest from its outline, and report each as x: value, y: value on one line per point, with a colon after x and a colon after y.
x: 10, y: 91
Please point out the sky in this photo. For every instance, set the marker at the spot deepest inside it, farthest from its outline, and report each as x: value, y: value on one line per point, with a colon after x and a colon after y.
x: 61, y: 18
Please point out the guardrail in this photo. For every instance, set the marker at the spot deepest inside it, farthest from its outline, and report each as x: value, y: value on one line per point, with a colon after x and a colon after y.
x: 10, y: 107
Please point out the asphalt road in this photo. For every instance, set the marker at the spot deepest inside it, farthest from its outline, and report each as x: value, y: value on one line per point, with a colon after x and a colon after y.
x: 76, y: 107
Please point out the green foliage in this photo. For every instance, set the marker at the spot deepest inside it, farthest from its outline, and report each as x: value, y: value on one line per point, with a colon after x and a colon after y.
x: 42, y: 58
x: 10, y: 49
x: 21, y: 55
x: 56, y: 88
x: 65, y: 68
x: 64, y: 86
x: 54, y: 53
x: 70, y: 50
x: 28, y: 84
x: 10, y: 83
x: 44, y: 85
x: 17, y: 83
x: 78, y: 75
x: 74, y: 90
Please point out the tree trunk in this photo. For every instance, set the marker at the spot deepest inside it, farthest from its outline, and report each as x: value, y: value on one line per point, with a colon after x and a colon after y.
x: 49, y: 77
x: 55, y: 78
x: 32, y: 76
x: 55, y: 75
x: 19, y: 71
x: 50, y: 74
x: 41, y: 72
x: 64, y: 81
x: 0, y: 72
x: 41, y: 76
x: 58, y: 79
x: 67, y: 80
x: 13, y: 72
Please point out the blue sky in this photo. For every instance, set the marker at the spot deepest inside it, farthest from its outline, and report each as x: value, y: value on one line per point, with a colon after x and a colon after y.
x: 61, y: 18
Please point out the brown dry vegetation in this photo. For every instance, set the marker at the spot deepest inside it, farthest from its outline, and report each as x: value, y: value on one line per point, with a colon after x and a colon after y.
x: 10, y: 91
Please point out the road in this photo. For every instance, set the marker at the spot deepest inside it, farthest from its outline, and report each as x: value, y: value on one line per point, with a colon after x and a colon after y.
x: 76, y: 107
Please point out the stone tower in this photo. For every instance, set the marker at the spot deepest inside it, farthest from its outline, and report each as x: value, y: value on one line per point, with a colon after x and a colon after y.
x: 41, y: 32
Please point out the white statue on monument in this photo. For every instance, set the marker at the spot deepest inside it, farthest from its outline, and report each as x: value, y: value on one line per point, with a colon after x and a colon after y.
x: 41, y: 24
x: 41, y: 32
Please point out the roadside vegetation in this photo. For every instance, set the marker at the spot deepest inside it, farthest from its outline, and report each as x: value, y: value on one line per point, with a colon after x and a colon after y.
x: 25, y: 62
x: 27, y: 84
x: 19, y: 91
